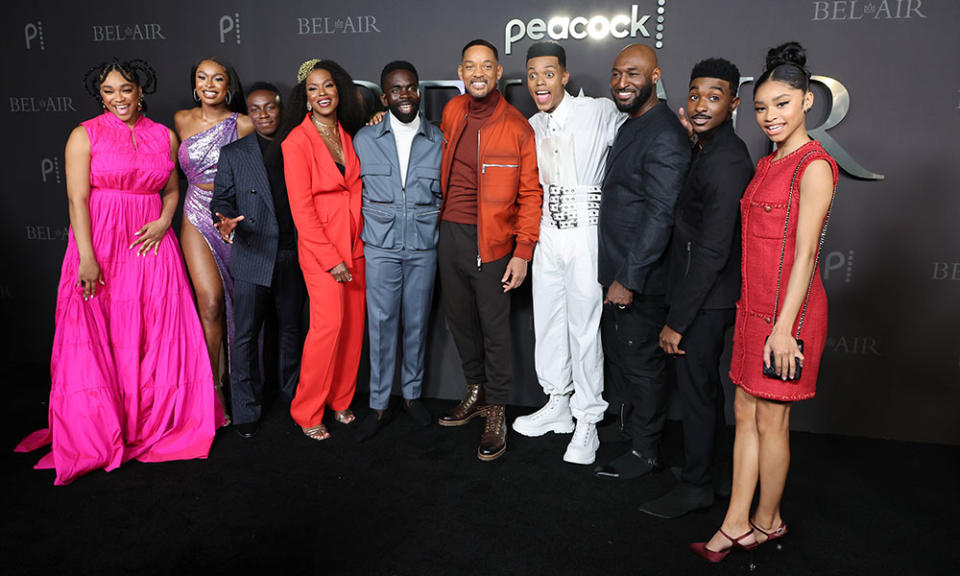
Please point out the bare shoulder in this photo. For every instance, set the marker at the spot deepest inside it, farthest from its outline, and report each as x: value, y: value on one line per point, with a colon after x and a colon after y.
x: 78, y: 141
x: 244, y: 125
x: 819, y: 173
x: 183, y: 120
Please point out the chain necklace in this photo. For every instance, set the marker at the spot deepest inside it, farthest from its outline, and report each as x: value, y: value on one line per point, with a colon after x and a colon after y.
x: 331, y: 137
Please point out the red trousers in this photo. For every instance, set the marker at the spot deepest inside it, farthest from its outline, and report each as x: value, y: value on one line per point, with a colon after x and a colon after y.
x: 331, y: 353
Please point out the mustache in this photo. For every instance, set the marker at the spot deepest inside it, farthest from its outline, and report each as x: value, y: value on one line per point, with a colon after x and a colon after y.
x: 702, y: 115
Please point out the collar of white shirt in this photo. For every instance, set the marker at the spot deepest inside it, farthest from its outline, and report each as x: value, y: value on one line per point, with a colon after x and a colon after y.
x: 562, y: 111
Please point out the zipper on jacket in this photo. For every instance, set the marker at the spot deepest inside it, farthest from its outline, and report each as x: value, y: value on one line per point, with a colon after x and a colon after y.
x: 689, y: 255
x: 403, y: 227
x: 482, y: 168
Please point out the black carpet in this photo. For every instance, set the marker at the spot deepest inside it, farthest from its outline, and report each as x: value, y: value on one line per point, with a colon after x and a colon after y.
x: 418, y: 502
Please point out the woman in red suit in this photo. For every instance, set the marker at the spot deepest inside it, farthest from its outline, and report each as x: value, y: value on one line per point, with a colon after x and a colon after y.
x: 784, y: 214
x: 323, y: 183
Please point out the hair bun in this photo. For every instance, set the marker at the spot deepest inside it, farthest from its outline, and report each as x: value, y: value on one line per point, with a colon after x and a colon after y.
x: 789, y: 53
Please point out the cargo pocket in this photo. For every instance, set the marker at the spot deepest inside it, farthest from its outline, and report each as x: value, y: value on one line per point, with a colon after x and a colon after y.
x: 379, y: 227
x: 376, y: 179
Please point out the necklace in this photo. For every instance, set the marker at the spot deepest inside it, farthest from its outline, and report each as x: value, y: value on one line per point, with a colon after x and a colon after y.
x: 331, y: 137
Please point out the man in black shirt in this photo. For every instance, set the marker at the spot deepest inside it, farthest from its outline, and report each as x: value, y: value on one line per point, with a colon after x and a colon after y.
x: 703, y: 280
x: 252, y: 212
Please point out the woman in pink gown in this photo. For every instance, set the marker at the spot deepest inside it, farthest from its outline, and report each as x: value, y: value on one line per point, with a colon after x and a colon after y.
x: 130, y: 377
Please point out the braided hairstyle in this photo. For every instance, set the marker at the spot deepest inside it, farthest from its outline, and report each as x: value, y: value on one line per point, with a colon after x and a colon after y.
x: 137, y: 71
x: 786, y: 63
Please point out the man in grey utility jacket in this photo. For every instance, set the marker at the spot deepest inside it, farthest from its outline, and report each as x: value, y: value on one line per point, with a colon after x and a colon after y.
x: 400, y: 167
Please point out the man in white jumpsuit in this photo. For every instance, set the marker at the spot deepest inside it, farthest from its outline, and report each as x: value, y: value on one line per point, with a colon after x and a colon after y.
x: 574, y: 135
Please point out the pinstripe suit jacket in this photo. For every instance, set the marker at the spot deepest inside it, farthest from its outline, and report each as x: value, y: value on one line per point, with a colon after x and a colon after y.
x: 242, y: 187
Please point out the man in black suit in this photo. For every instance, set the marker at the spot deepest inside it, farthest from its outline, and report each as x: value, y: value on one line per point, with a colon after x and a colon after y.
x: 645, y: 171
x: 703, y: 282
x: 252, y: 213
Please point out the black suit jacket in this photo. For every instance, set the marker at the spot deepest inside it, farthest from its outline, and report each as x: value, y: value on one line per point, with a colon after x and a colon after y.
x: 241, y: 186
x: 704, y: 263
x: 645, y: 171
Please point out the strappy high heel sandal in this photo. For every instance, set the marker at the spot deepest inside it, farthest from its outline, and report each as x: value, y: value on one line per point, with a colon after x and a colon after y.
x: 701, y: 550
x: 771, y: 535
x: 344, y: 416
x: 318, y: 432
x: 218, y: 390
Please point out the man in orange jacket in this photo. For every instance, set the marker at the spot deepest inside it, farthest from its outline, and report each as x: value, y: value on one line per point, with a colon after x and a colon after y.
x: 489, y: 224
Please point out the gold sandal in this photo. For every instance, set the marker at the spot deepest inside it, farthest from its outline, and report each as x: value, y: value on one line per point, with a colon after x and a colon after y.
x: 344, y: 416
x: 318, y: 432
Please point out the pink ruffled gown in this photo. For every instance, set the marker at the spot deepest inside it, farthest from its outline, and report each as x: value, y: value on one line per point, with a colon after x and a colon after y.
x: 130, y: 375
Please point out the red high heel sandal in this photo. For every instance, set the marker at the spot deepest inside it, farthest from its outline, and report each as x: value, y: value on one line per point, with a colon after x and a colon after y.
x: 701, y: 550
x: 780, y: 532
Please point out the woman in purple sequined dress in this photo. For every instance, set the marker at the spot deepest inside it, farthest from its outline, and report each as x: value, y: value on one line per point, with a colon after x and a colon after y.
x: 216, y: 121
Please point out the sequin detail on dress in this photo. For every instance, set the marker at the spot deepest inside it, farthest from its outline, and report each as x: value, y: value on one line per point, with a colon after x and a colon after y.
x: 199, y: 156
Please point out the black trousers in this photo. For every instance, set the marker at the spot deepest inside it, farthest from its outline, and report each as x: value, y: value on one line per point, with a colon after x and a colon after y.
x: 477, y: 310
x: 701, y: 393
x: 286, y: 295
x: 636, y: 368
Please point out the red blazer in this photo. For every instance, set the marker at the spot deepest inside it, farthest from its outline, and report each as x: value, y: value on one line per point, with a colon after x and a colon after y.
x: 325, y: 204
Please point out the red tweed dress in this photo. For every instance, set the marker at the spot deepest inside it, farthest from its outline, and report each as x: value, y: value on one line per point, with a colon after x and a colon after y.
x: 763, y: 211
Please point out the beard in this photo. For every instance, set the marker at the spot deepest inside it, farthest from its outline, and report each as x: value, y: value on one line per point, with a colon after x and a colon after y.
x: 642, y: 96
x: 406, y: 118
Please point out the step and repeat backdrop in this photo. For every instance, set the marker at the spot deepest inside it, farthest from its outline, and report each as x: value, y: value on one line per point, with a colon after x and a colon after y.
x: 887, y: 107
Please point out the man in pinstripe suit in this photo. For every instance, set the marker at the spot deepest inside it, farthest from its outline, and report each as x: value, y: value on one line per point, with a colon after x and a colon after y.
x: 251, y: 211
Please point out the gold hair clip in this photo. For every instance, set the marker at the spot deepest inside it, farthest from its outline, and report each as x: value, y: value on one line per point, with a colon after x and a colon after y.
x: 305, y: 69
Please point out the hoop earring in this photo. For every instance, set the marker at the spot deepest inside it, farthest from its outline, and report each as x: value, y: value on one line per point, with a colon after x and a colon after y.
x: 196, y: 97
x: 229, y: 98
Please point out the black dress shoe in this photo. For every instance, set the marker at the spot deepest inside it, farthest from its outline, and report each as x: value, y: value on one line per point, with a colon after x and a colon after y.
x: 683, y: 498
x: 247, y: 429
x: 418, y: 412
x: 371, y: 424
x: 632, y: 464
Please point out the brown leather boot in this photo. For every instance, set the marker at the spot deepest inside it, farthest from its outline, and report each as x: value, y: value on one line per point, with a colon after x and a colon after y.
x: 493, y: 443
x: 469, y: 408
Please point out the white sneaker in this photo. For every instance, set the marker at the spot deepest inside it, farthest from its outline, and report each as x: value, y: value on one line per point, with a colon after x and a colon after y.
x: 553, y: 417
x: 583, y: 446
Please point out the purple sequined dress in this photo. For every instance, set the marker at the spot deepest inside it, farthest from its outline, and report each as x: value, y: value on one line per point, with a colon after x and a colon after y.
x: 198, y: 156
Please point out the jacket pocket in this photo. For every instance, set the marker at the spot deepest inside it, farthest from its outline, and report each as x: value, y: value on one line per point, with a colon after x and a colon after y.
x: 379, y: 227
x: 426, y: 231
x: 377, y: 184
x: 500, y: 178
x: 428, y: 189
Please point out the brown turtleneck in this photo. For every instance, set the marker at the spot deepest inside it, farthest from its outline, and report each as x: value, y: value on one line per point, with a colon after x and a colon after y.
x: 461, y: 203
